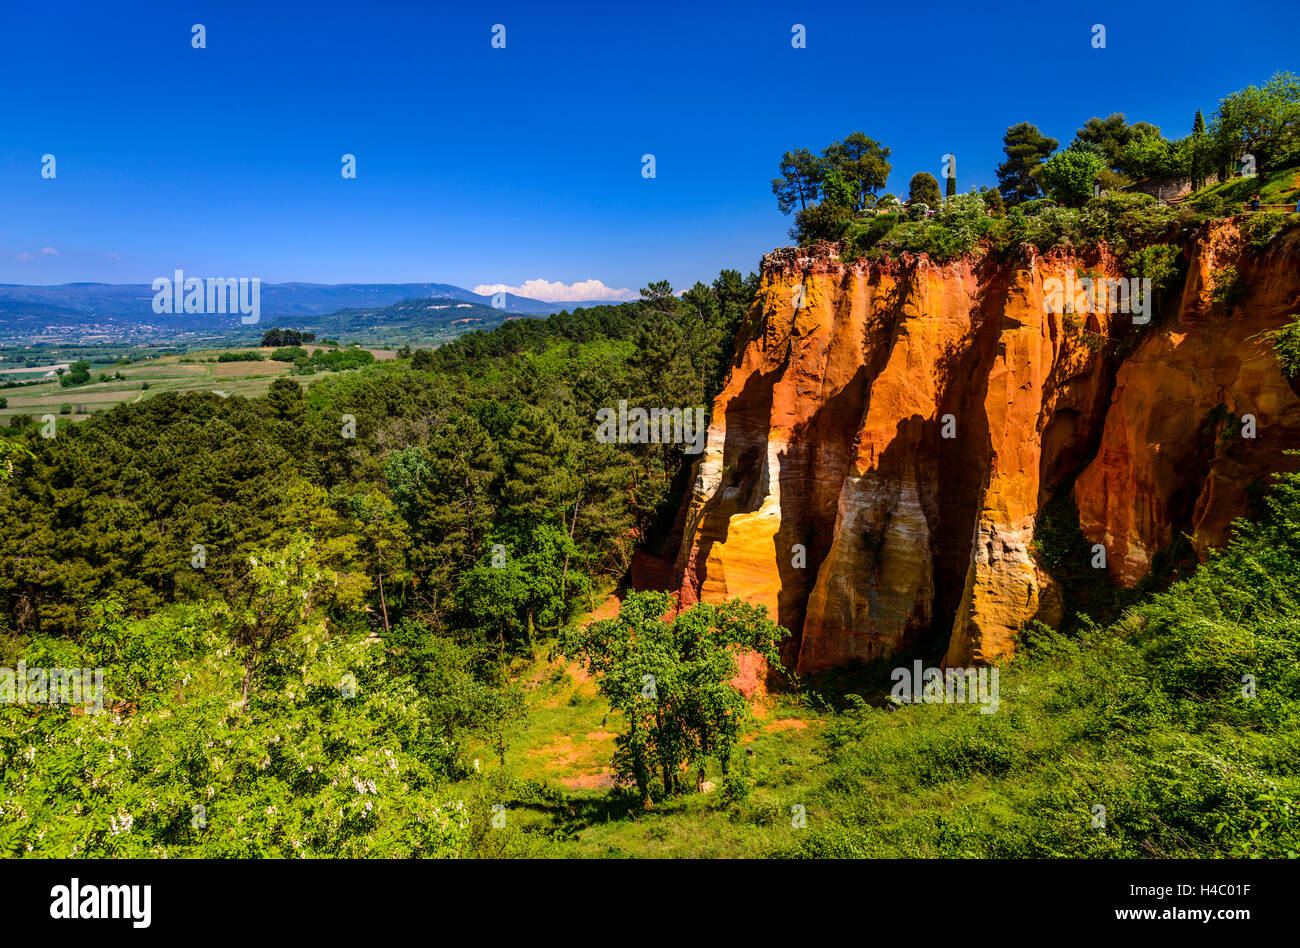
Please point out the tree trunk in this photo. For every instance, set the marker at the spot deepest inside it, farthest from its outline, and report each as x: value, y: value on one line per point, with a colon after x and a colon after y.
x: 383, y: 604
x: 564, y: 576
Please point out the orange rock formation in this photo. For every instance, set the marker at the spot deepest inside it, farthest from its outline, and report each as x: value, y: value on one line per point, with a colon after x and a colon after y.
x: 890, y: 432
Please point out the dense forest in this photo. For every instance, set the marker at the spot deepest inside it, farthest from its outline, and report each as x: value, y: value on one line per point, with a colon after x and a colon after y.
x: 229, y: 563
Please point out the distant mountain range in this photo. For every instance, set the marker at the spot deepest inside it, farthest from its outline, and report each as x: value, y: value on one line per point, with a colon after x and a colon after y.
x: 124, y: 312
x: 416, y: 322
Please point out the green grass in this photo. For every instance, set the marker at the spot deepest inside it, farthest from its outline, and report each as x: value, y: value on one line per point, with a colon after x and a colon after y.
x: 1273, y: 187
x: 1147, y: 718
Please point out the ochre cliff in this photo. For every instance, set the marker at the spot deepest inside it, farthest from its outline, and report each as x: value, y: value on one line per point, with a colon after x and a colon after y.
x: 890, y: 431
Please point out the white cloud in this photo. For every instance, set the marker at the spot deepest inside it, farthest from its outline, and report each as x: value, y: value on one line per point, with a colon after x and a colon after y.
x: 27, y: 255
x: 559, y: 292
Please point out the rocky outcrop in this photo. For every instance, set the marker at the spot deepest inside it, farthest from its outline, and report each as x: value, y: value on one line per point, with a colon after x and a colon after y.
x: 889, y: 433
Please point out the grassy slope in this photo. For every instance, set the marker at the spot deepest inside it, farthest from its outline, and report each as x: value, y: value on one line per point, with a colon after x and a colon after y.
x: 1146, y: 718
x: 1274, y: 187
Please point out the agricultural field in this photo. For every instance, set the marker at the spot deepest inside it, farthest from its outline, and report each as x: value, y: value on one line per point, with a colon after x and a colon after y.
x: 193, y: 372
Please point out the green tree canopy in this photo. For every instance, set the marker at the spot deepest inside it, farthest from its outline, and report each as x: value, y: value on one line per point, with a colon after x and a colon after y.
x: 1262, y: 121
x: 1026, y: 148
x: 863, y: 165
x: 924, y: 189
x: 672, y: 681
x: 800, y: 181
x: 1068, y: 176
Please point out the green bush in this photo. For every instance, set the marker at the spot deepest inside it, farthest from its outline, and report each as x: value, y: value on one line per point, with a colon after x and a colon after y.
x: 251, y: 355
x: 1211, y: 204
x: 1228, y: 287
x: 1259, y: 229
x: 824, y: 221
x: 339, y: 360
x: 1157, y: 263
x: 1286, y: 343
x: 861, y: 236
x: 954, y: 230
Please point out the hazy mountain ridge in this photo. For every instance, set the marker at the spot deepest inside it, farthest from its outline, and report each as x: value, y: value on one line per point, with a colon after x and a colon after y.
x: 125, y: 310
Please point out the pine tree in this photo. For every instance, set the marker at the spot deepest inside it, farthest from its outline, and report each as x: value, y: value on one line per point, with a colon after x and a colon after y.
x: 1198, y: 152
x: 1026, y: 149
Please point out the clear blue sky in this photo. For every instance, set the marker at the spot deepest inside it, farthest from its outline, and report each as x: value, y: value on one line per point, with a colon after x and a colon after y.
x: 478, y: 165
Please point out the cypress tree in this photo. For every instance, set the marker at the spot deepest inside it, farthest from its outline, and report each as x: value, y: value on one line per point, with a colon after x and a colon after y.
x: 1198, y: 152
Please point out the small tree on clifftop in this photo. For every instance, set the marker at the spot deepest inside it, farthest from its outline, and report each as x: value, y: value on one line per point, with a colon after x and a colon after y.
x: 1026, y: 147
x: 924, y: 189
x: 800, y: 181
x: 1068, y: 175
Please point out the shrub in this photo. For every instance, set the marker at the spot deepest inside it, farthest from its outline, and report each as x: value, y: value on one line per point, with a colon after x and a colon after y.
x: 250, y: 355
x: 341, y: 360
x: 824, y: 221
x: 78, y: 374
x: 993, y: 200
x: 1127, y: 221
x: 736, y: 788
x: 1259, y: 229
x: 861, y: 236
x: 289, y: 354
x: 1228, y: 287
x: 924, y: 189
x: 954, y: 229
x: 1210, y: 204
x: 1157, y: 263
x: 1286, y: 343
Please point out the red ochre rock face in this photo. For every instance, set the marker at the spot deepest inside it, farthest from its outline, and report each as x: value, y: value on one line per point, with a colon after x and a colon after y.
x: 890, y: 431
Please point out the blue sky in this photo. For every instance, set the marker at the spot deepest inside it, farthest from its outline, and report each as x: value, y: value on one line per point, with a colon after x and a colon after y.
x: 483, y: 166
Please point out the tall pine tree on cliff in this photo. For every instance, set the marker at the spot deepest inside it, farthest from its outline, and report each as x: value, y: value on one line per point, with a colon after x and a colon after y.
x: 1026, y: 149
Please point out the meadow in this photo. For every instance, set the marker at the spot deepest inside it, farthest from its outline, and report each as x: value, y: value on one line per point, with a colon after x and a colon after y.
x: 196, y: 371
